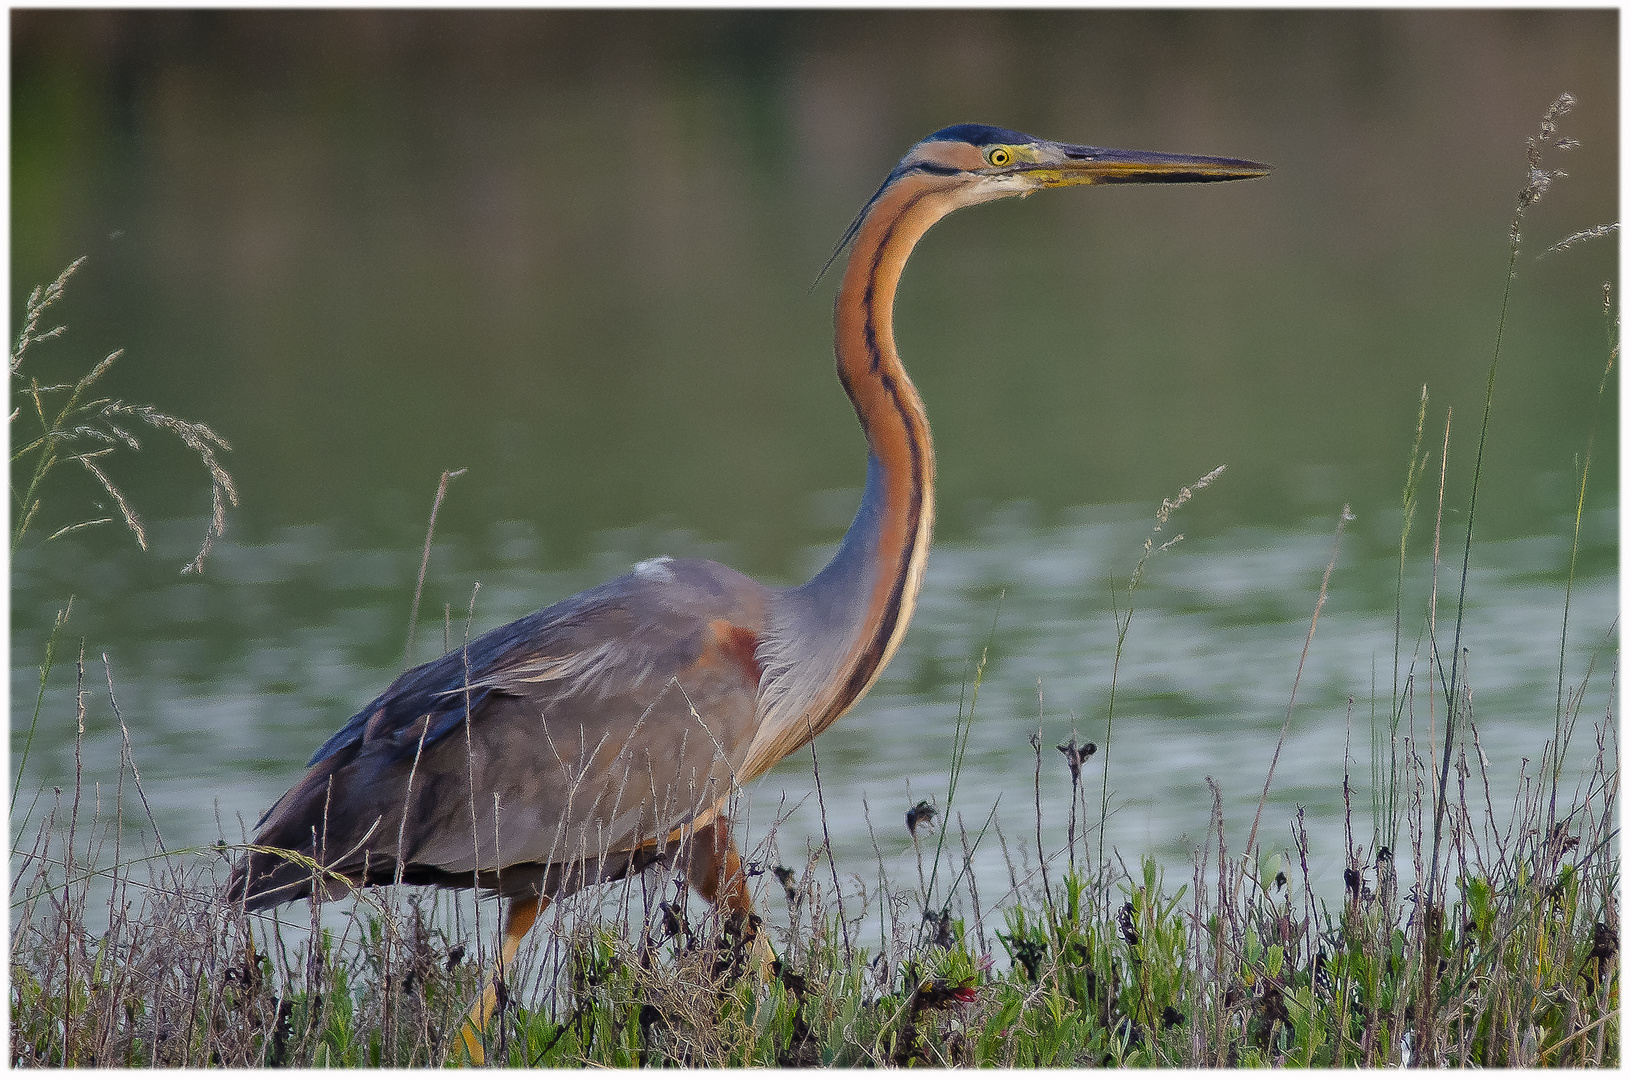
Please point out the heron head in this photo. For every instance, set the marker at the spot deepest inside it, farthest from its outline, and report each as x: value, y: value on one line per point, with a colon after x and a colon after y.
x: 983, y: 163
x: 966, y: 164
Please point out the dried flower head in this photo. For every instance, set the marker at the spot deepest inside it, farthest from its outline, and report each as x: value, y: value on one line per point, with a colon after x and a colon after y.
x: 1541, y: 179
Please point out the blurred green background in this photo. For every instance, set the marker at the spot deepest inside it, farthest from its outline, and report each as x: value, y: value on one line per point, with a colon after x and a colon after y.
x: 573, y: 252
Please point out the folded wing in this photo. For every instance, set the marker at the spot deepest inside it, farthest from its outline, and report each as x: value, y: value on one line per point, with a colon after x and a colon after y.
x: 584, y: 735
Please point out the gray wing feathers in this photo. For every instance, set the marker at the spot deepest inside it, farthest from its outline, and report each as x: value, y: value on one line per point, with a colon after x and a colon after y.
x: 599, y: 725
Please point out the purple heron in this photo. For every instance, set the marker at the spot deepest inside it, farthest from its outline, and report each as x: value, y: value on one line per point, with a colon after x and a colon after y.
x: 603, y: 734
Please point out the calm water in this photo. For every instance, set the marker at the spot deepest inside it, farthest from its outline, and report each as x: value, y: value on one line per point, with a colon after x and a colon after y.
x: 233, y: 685
x: 572, y: 253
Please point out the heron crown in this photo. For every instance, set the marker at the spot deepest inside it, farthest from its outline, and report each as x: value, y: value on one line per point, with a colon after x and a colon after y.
x: 980, y: 135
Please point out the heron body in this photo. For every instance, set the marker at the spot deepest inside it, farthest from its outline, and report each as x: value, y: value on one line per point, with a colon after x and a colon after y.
x: 592, y: 738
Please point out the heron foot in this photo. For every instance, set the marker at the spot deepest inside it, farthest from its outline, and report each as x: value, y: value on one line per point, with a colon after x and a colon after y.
x: 494, y: 995
x: 762, y: 960
x: 744, y: 946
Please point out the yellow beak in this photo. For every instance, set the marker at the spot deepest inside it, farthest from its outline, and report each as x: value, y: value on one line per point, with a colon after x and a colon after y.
x: 1063, y: 164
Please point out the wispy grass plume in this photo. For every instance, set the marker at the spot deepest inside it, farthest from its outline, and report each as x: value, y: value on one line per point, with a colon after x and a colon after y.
x: 68, y: 426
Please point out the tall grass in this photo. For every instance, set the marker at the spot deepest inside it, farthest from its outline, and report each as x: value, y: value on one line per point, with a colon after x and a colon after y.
x: 1469, y: 931
x: 59, y: 423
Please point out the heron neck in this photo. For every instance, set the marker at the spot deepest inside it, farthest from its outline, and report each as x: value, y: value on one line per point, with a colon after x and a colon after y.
x: 878, y: 569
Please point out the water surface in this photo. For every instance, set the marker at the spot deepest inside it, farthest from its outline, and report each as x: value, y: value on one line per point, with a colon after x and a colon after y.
x: 572, y: 253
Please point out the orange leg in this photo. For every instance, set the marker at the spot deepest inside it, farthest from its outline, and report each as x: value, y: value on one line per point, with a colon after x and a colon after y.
x: 519, y: 919
x: 714, y: 870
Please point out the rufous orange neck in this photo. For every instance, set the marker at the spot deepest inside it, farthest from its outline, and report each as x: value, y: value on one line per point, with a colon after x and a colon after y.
x: 898, y: 507
x: 835, y: 633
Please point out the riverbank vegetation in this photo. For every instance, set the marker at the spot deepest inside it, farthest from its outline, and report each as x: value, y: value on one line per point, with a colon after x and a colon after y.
x: 1468, y: 930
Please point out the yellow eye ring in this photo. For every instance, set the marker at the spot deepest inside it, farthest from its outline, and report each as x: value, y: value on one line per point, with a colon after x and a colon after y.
x: 998, y: 156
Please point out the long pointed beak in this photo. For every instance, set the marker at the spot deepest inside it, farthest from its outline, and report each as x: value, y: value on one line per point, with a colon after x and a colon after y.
x: 1097, y: 165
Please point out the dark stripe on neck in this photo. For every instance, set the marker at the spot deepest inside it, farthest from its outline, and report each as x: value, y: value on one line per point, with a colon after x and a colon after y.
x: 869, y: 331
x: 934, y: 169
x: 868, y: 662
x: 866, y: 665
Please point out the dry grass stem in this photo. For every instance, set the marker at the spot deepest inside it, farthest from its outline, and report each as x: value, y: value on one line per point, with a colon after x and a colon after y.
x: 67, y: 423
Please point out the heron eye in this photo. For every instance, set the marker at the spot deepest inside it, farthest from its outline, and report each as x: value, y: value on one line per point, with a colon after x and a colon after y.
x: 998, y: 156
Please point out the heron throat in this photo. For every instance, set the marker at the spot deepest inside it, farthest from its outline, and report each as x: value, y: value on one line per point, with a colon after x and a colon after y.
x: 833, y: 635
